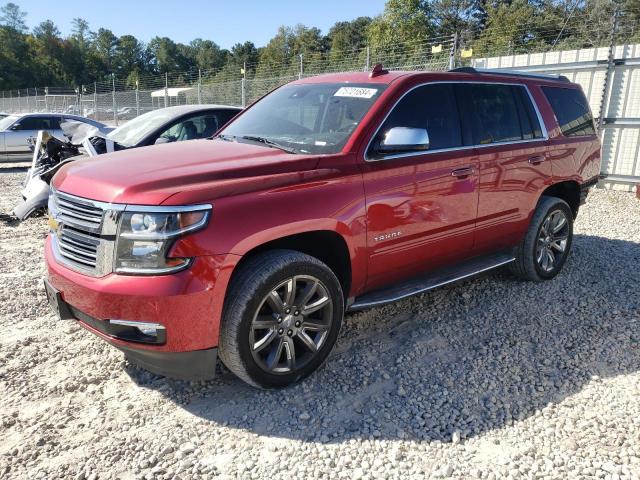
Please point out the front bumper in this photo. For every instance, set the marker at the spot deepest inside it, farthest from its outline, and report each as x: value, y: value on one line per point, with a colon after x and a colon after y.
x: 187, y: 305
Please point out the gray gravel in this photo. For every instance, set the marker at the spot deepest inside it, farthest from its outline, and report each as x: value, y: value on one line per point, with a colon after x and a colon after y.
x: 489, y: 378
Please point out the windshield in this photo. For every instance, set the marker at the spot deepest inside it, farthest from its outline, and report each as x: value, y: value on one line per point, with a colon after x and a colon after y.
x: 6, y: 122
x: 311, y: 118
x: 134, y: 131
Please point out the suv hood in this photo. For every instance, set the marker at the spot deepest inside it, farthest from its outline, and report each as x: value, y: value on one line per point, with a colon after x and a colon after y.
x: 150, y: 175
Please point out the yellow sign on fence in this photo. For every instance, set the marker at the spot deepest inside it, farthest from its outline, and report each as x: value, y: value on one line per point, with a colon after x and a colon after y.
x: 436, y: 48
x: 466, y: 53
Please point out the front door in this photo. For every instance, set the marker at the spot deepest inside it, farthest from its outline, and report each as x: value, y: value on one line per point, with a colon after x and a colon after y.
x: 421, y: 206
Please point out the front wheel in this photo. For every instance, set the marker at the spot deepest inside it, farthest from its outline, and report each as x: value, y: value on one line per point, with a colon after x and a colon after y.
x: 281, y: 318
x: 546, y: 246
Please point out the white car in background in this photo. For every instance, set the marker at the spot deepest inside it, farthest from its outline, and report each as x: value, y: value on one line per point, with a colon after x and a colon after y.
x: 15, y: 131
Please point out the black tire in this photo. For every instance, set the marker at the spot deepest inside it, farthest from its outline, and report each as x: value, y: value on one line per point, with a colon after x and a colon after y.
x: 527, y: 265
x: 249, y: 297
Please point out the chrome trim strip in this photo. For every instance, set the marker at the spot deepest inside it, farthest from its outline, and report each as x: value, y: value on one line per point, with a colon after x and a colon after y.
x: 543, y: 128
x: 153, y: 271
x: 361, y: 306
x: 85, y: 246
x: 520, y: 73
x: 131, y: 323
x: 133, y: 208
x: 166, y: 208
x: 93, y: 203
x: 78, y: 254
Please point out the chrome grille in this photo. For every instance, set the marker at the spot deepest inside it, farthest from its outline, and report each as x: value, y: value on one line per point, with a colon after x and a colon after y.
x: 83, y: 237
x: 83, y: 214
x: 78, y: 248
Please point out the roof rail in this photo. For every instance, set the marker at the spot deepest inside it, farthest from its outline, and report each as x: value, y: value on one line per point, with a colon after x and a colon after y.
x: 514, y: 73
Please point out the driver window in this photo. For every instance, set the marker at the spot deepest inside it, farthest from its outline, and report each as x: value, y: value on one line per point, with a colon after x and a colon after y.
x: 432, y: 107
x: 34, y: 123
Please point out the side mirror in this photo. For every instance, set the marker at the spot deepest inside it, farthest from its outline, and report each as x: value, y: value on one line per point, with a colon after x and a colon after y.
x: 162, y: 140
x: 15, y: 126
x: 404, y: 139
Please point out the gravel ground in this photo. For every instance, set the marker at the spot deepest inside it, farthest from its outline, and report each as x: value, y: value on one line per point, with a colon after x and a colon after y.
x: 489, y: 378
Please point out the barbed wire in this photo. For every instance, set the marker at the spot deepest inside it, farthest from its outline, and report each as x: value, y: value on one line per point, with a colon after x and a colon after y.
x: 229, y: 84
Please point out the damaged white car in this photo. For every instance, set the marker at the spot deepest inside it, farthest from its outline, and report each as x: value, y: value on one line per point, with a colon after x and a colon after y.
x: 171, y: 124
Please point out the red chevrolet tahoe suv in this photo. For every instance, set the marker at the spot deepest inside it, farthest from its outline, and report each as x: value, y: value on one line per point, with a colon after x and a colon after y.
x: 330, y: 194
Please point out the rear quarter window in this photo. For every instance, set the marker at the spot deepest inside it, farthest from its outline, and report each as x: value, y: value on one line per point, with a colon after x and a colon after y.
x: 571, y: 110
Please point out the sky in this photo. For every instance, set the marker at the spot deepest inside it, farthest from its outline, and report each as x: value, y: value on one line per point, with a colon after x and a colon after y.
x: 226, y: 22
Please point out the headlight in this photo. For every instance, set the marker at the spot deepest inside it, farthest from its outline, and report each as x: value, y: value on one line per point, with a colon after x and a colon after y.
x: 147, y: 233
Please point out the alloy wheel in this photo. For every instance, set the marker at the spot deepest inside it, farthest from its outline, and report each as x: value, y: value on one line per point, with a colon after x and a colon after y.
x: 552, y: 241
x: 291, y: 324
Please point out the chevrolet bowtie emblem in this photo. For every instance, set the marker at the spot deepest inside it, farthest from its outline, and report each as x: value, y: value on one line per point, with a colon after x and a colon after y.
x: 53, y: 223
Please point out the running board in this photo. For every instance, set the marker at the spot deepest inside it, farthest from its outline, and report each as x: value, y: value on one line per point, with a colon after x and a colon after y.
x: 432, y: 280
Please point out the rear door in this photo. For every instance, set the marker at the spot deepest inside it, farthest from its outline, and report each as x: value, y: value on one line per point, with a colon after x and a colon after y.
x: 421, y: 206
x: 511, y: 144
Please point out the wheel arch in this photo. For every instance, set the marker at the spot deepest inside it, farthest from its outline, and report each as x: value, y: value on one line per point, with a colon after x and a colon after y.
x: 328, y: 246
x: 568, y: 190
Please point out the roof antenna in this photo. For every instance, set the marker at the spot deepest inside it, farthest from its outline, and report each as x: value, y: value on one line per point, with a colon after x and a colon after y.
x: 378, y: 70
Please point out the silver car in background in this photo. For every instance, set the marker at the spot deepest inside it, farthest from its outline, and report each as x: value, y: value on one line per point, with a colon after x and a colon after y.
x: 15, y: 130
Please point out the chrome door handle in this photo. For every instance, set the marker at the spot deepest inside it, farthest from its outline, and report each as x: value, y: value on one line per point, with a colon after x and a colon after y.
x: 462, y: 172
x: 536, y: 159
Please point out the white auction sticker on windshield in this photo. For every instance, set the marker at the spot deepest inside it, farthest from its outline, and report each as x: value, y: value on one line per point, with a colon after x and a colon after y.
x: 356, y: 92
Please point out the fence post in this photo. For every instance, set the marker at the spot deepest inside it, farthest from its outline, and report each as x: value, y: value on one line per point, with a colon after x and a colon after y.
x: 604, y: 102
x: 301, y: 69
x: 95, y: 100
x: 113, y: 95
x: 137, y: 98
x: 199, y: 86
x: 166, y: 88
x: 243, y: 86
x: 367, y: 65
x: 452, y: 52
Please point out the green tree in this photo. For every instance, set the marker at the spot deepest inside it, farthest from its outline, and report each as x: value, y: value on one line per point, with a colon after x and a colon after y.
x: 510, y: 28
x: 80, y: 33
x: 128, y: 56
x: 165, y: 55
x: 348, y: 36
x: 457, y: 16
x: 277, y: 53
x: 104, y: 44
x: 12, y: 17
x: 403, y: 22
x: 207, y: 55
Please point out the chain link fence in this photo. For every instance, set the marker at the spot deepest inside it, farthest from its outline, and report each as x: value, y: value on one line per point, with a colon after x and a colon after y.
x: 117, y: 100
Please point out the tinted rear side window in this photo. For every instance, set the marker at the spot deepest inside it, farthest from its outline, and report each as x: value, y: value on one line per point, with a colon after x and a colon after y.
x: 571, y: 109
x: 493, y: 113
x: 432, y: 107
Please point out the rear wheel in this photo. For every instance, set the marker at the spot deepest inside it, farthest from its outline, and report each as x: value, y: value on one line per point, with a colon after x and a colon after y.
x: 281, y: 318
x: 546, y: 246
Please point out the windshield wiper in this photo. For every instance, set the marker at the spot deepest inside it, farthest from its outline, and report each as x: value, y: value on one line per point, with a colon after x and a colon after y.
x: 267, y: 142
x: 254, y: 138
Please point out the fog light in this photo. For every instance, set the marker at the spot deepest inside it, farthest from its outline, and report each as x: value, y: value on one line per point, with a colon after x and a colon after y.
x: 126, y: 330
